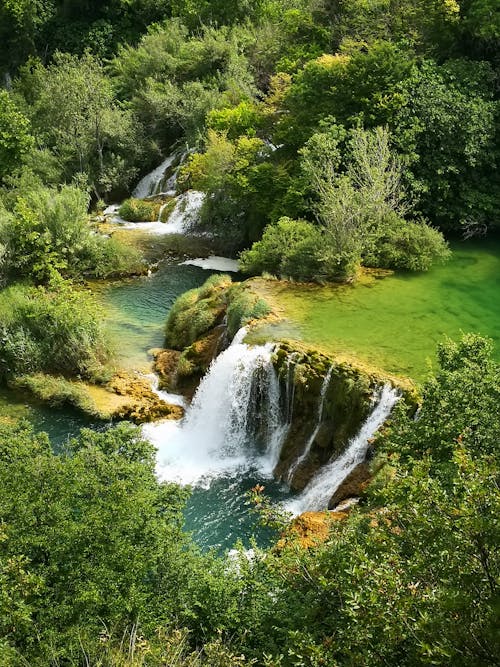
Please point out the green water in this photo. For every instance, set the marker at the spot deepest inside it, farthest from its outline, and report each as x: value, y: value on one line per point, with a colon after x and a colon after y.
x: 60, y: 424
x: 137, y: 309
x: 392, y: 322
x: 395, y: 322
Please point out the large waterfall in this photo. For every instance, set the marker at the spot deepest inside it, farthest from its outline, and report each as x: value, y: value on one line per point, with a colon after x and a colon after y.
x: 233, y: 424
x: 327, y: 480
x: 238, y: 422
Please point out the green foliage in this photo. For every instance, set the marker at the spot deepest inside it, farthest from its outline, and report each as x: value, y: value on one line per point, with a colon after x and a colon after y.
x: 175, y: 79
x: 360, y: 213
x: 55, y: 330
x: 458, y: 405
x: 352, y: 87
x: 15, y: 137
x: 410, y: 246
x: 139, y: 210
x: 56, y: 391
x: 288, y: 248
x: 48, y: 230
x: 72, y: 109
x: 448, y: 128
x: 242, y: 119
x: 241, y: 186
x: 195, y: 312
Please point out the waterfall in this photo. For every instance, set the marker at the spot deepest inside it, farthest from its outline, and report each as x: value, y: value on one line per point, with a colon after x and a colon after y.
x: 233, y: 424
x: 321, y: 405
x: 160, y: 212
x: 151, y: 183
x: 186, y: 212
x: 323, y: 485
x: 291, y: 363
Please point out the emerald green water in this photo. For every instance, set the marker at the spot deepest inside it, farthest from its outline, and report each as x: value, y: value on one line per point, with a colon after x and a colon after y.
x: 137, y: 309
x: 395, y: 322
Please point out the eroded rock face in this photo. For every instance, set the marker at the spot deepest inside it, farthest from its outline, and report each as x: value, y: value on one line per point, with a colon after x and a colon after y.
x: 353, y: 485
x: 143, y: 404
x: 344, y: 407
x: 182, y: 371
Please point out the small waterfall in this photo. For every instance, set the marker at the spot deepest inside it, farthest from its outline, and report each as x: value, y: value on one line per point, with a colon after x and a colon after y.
x: 151, y: 183
x: 162, y: 208
x: 291, y: 363
x: 234, y: 422
x: 321, y: 405
x: 321, y: 488
x: 168, y: 397
x: 186, y: 212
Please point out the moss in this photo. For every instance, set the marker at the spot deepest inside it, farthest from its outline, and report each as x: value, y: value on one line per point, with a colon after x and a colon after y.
x: 346, y: 405
x: 243, y: 307
x: 196, y: 312
x: 166, y: 210
x: 58, y: 391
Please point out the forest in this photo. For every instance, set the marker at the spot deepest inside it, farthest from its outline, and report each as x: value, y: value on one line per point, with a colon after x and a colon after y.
x: 329, y: 141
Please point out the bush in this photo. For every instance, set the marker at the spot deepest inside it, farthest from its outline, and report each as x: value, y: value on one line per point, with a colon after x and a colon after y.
x: 55, y: 330
x: 410, y: 246
x: 139, y: 210
x: 47, y: 230
x: 288, y: 248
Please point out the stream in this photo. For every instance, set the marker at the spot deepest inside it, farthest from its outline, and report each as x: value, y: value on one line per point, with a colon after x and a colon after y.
x: 231, y: 436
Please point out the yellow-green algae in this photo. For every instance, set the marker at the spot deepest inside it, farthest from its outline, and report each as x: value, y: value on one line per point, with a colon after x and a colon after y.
x: 392, y: 321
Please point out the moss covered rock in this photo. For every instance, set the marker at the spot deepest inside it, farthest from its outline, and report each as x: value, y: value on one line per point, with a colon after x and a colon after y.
x: 196, y: 312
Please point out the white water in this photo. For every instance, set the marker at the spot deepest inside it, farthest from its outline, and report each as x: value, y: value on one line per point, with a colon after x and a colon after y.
x: 321, y: 405
x: 214, y: 263
x: 323, y: 485
x: 235, y: 406
x: 151, y: 183
x: 168, y: 397
x: 186, y: 212
x: 184, y: 216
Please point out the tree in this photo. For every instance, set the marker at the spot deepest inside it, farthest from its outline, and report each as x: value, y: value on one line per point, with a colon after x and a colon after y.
x: 73, y: 110
x: 15, y: 136
x: 447, y: 130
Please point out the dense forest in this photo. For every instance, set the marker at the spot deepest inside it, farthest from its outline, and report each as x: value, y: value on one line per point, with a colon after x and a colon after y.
x: 329, y: 137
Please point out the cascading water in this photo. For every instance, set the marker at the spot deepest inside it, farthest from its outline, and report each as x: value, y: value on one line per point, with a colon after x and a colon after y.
x: 151, y: 183
x: 291, y: 363
x: 321, y: 405
x: 233, y: 424
x: 323, y: 485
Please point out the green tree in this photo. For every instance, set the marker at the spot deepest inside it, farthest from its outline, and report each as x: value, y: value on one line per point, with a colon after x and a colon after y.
x: 448, y: 129
x: 15, y: 136
x: 73, y: 111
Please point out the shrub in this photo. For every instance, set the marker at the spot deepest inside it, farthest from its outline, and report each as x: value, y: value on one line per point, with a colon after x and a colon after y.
x: 411, y: 246
x: 139, y: 210
x: 47, y: 230
x: 55, y: 330
x: 288, y: 248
